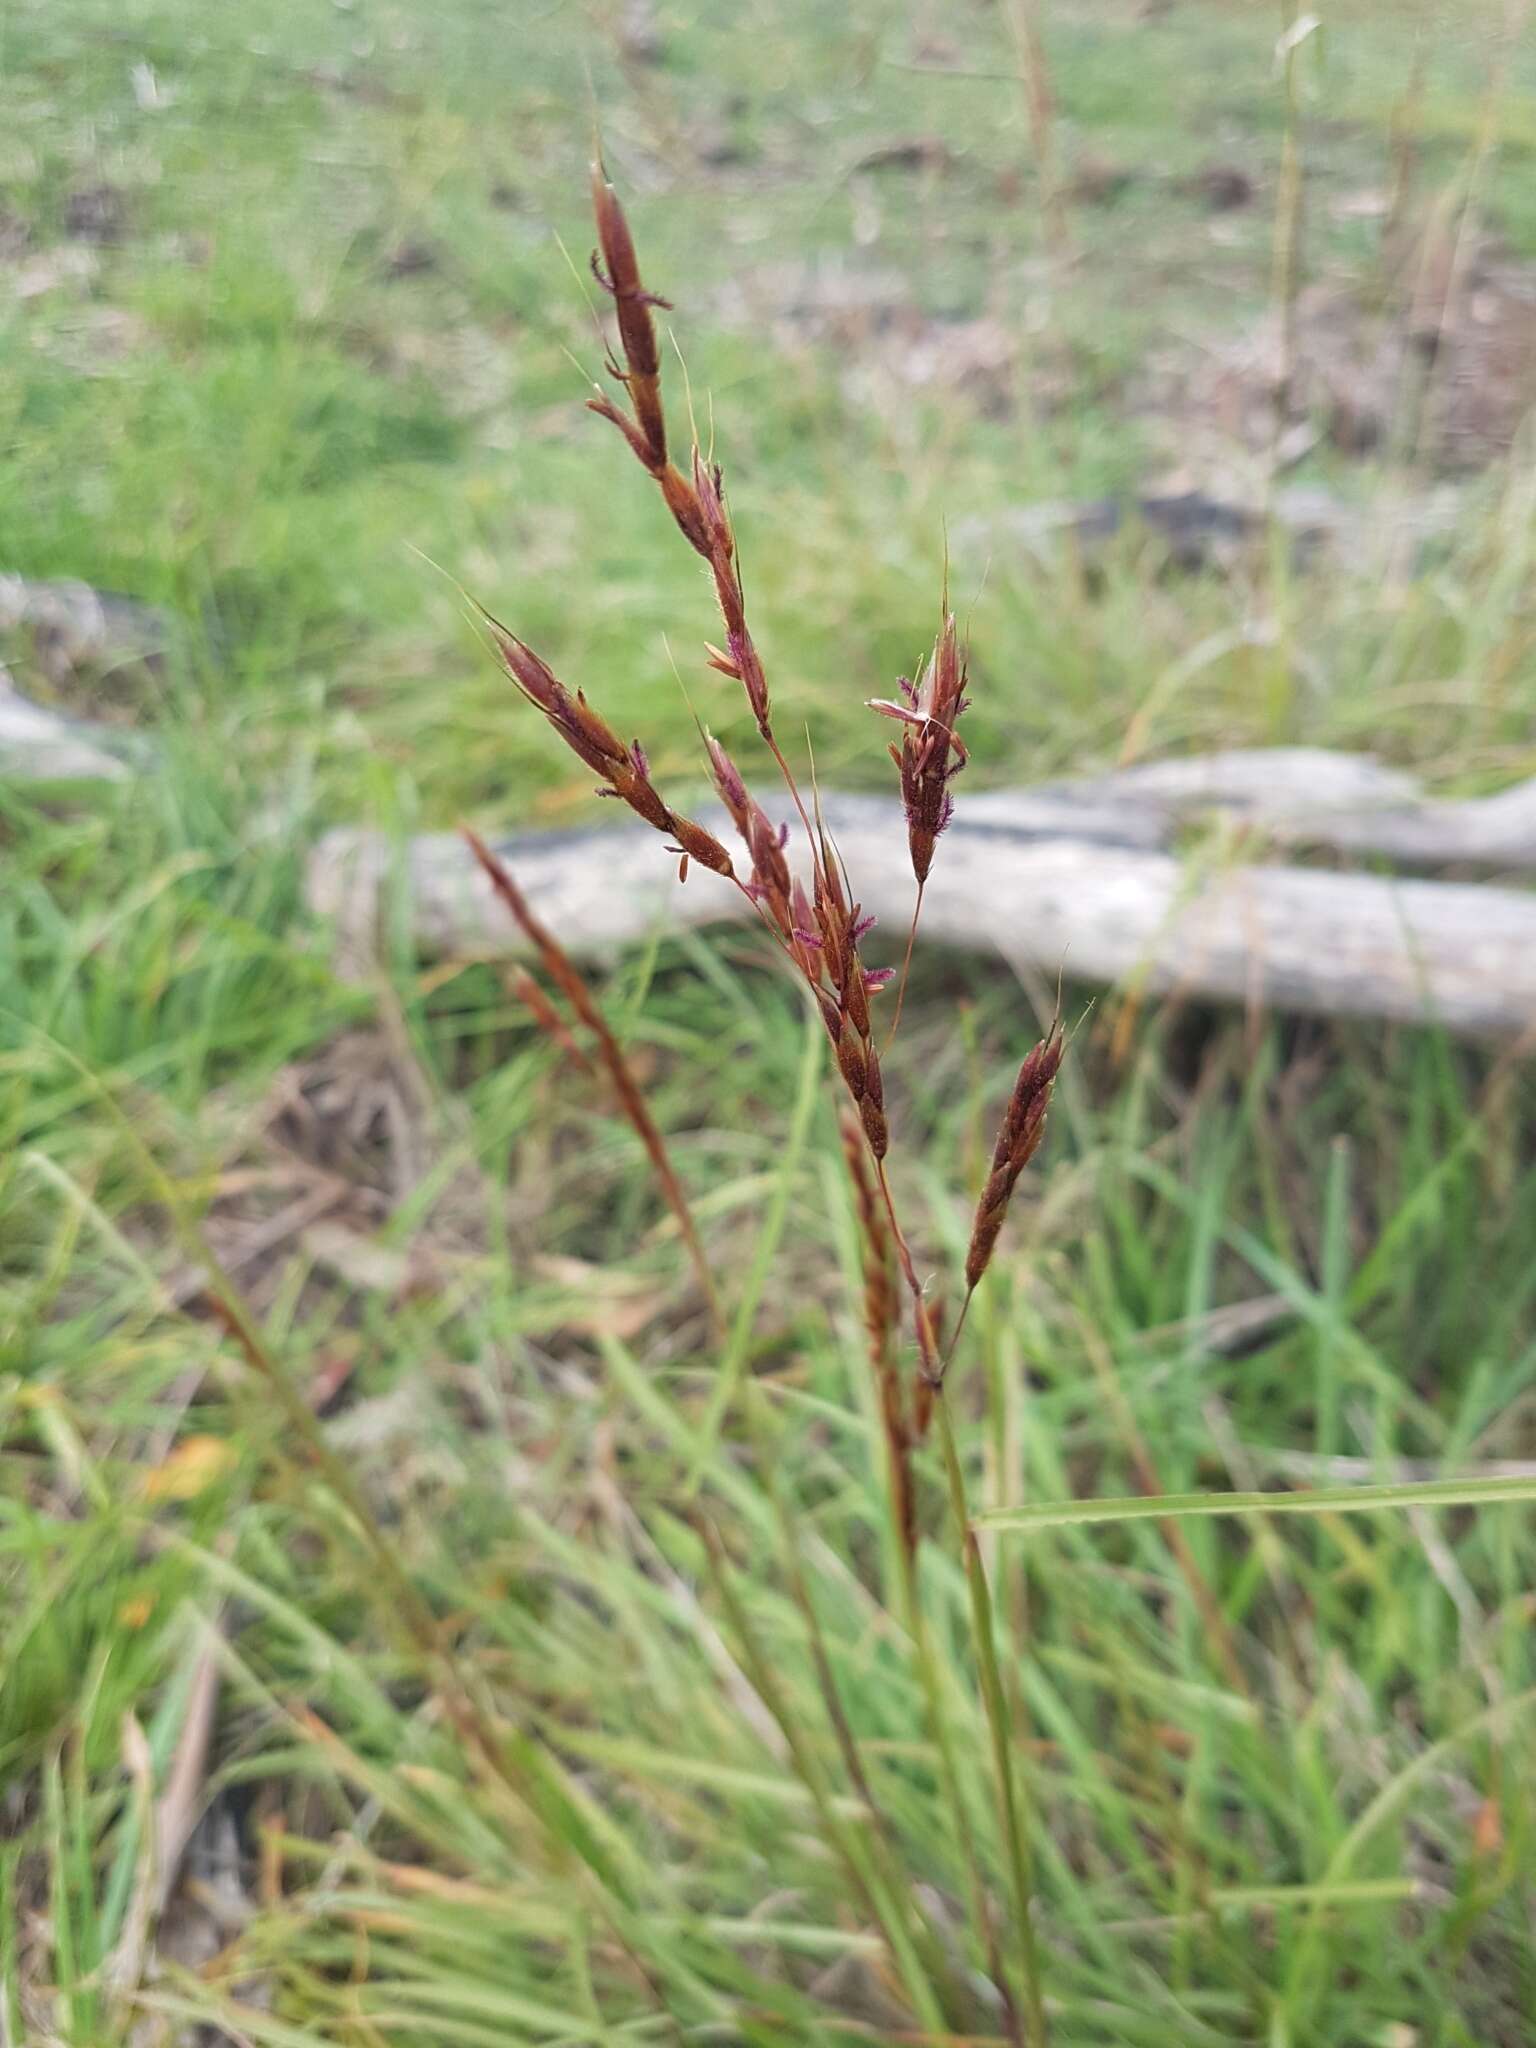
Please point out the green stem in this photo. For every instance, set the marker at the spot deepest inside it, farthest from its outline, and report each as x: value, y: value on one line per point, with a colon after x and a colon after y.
x: 949, y: 1777
x: 1015, y: 1815
x: 845, y: 1839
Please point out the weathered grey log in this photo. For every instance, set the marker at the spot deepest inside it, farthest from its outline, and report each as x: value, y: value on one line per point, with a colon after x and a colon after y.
x: 1194, y: 531
x: 1292, y: 796
x: 1078, y: 875
x: 66, y: 629
x: 1111, y: 909
x: 72, y: 627
x: 37, y: 745
x: 1341, y: 803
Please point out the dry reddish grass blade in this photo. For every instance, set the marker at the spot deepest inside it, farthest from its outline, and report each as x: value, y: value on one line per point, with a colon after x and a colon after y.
x: 557, y: 964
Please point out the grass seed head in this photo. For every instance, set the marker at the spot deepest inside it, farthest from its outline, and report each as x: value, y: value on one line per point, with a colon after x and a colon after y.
x: 698, y: 506
x: 625, y: 770
x: 617, y: 270
x: 1018, y: 1136
x: 931, y: 752
x: 700, y: 844
x: 772, y: 887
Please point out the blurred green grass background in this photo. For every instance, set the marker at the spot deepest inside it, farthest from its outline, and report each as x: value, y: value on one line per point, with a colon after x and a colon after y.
x: 328, y: 319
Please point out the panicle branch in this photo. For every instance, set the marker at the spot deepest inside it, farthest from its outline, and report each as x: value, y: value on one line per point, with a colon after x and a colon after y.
x: 771, y: 886
x: 820, y: 933
x: 844, y: 995
x: 534, y: 1000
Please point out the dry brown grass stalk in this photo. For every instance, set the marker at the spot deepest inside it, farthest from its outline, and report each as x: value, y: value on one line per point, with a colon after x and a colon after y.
x: 880, y: 1325
x: 1040, y: 108
x: 818, y: 925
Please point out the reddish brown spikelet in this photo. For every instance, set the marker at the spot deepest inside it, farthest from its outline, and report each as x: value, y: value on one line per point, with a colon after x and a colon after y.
x: 730, y: 782
x: 618, y: 271
x: 700, y: 844
x: 709, y: 494
x: 585, y: 731
x: 931, y: 752
x: 605, y: 409
x: 1018, y: 1136
x: 624, y: 769
x: 822, y: 940
x: 845, y: 1004
x: 772, y: 888
x: 684, y: 507
x: 740, y: 658
x: 697, y: 505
